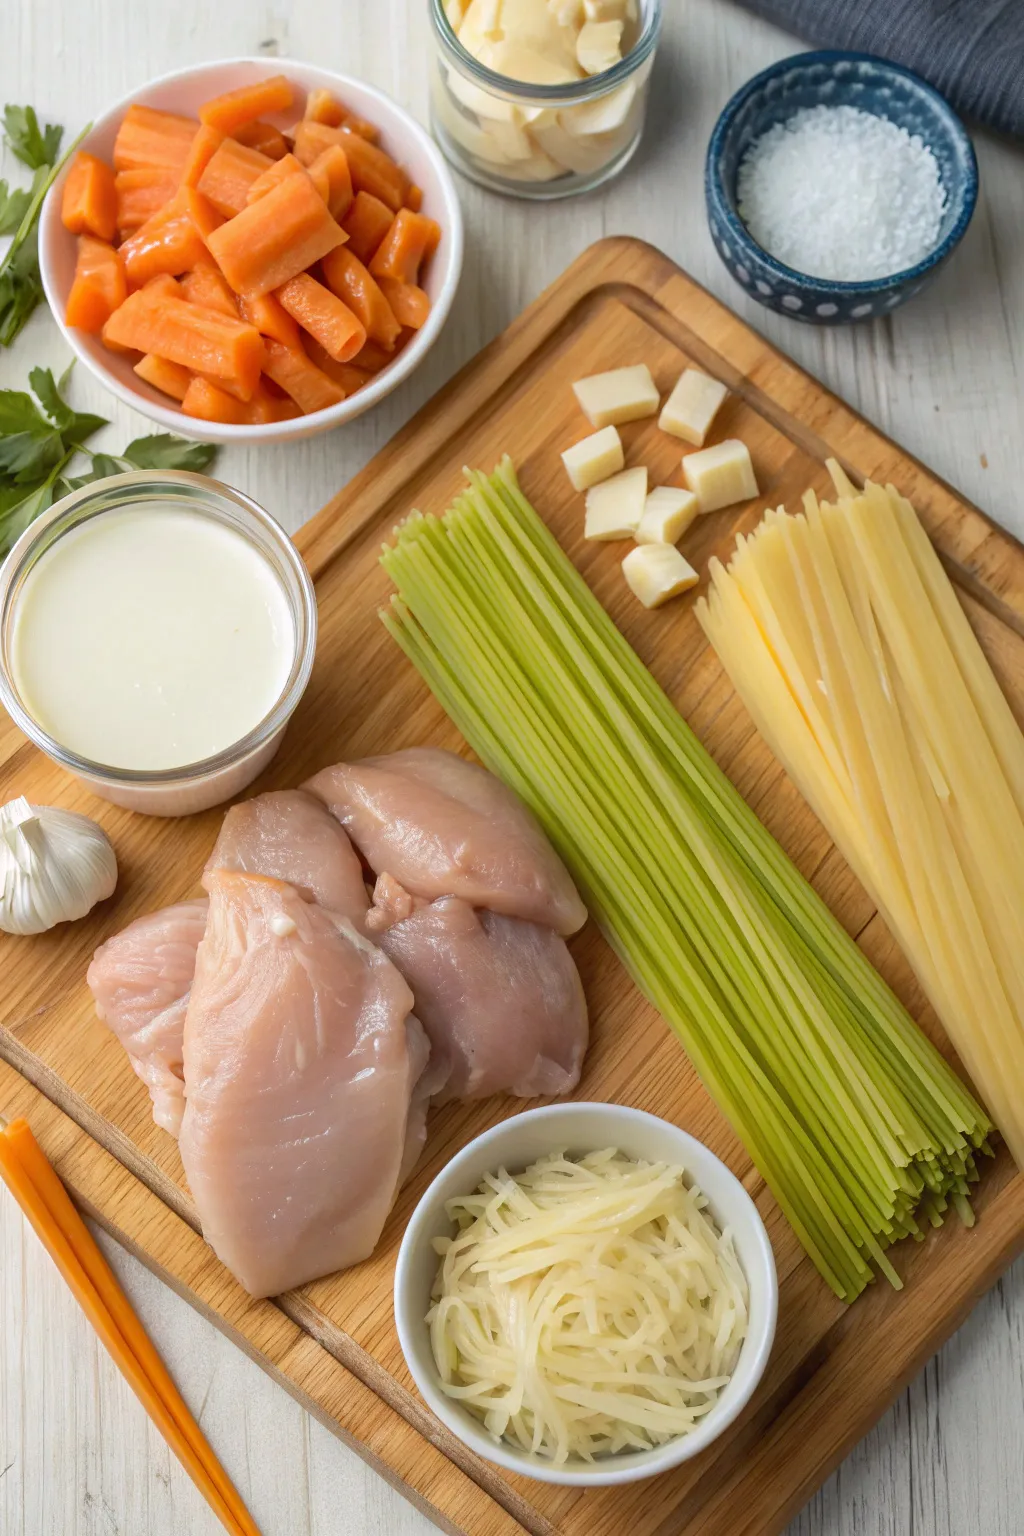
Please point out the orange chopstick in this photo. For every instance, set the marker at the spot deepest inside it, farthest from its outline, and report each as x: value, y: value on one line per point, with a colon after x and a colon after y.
x: 46, y: 1204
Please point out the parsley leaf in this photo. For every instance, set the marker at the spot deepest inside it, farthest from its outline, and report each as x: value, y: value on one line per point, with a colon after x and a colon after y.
x: 40, y: 436
x: 165, y: 451
x: 33, y: 146
x: 21, y: 287
x: 14, y: 203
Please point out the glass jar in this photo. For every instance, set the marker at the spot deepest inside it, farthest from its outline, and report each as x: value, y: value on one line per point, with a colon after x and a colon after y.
x: 540, y: 141
x: 182, y: 790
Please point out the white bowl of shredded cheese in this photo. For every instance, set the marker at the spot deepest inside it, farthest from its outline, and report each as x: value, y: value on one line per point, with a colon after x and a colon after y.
x: 586, y: 1295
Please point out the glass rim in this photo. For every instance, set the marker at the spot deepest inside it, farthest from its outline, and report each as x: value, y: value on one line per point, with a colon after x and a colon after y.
x: 572, y: 92
x: 61, y: 518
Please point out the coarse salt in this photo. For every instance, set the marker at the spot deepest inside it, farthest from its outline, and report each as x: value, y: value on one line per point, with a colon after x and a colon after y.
x: 838, y: 193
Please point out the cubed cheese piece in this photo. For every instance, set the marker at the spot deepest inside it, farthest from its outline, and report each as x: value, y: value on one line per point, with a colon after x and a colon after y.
x: 692, y: 406
x: 656, y: 572
x: 721, y: 475
x: 605, y: 10
x: 594, y: 459
x: 668, y: 512
x: 622, y: 394
x: 615, y: 507
x: 597, y: 47
x: 566, y: 12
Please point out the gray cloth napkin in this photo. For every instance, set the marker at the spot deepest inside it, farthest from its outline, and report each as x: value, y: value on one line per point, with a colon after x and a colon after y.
x: 970, y: 50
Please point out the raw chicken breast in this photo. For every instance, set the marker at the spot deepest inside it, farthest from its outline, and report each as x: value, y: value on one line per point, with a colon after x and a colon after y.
x: 445, y: 827
x: 300, y: 1063
x: 500, y: 998
x: 290, y: 836
x: 140, y: 980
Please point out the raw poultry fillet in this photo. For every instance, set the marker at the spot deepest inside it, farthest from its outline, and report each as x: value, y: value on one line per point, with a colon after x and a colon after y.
x: 300, y: 1058
x: 500, y: 998
x: 445, y: 827
x: 140, y: 981
x: 289, y: 835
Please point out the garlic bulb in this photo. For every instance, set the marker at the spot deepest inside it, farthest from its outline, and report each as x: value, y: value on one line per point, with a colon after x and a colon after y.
x: 54, y: 866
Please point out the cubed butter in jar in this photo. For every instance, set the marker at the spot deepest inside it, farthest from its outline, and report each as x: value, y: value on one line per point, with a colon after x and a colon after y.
x: 541, y: 98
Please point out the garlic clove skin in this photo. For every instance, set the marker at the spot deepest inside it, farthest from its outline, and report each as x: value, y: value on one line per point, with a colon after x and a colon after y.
x: 55, y: 866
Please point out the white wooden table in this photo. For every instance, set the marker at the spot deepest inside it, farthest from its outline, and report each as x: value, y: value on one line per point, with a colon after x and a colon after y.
x: 945, y: 376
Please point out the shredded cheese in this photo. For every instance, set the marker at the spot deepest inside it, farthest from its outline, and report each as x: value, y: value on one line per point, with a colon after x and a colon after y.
x: 587, y: 1306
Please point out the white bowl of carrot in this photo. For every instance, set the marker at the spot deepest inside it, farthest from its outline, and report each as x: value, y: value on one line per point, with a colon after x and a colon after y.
x: 253, y: 250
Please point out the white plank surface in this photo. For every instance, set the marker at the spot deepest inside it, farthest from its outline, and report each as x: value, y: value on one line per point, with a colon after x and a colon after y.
x: 945, y: 376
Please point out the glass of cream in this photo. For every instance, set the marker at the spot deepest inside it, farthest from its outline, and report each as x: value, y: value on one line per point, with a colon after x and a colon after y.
x: 156, y: 633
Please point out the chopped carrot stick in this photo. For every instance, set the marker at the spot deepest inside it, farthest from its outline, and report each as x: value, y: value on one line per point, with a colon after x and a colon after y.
x: 273, y: 177
x: 276, y: 238
x: 322, y: 107
x: 373, y: 358
x: 248, y: 102
x: 203, y: 214
x: 414, y: 198
x: 200, y: 339
x: 208, y: 402
x: 411, y: 238
x: 310, y: 139
x: 169, y: 378
x: 202, y: 150
x: 99, y: 285
x: 140, y: 194
x: 323, y: 315
x: 346, y: 276
x: 168, y: 242
x: 206, y: 285
x: 148, y: 138
x: 271, y: 319
x: 307, y: 384
x: 373, y: 171
x: 270, y: 141
x: 267, y: 405
x: 89, y: 201
x: 347, y: 375
x: 320, y: 179
x: 366, y: 223
x: 229, y: 174
x: 332, y: 164
x: 410, y: 304
x: 163, y: 286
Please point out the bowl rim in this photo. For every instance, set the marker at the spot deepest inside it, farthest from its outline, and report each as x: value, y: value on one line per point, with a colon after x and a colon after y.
x: 613, y: 1471
x: 718, y: 194
x: 297, y: 428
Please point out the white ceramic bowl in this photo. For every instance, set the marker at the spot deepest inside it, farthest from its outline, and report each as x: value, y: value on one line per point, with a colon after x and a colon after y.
x: 184, y: 91
x: 580, y: 1128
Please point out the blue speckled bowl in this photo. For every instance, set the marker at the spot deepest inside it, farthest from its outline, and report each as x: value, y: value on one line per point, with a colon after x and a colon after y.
x: 833, y: 78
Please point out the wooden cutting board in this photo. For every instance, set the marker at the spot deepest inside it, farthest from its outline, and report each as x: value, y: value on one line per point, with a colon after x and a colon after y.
x: 834, y: 1370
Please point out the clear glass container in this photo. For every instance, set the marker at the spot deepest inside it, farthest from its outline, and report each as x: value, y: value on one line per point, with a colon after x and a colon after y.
x: 178, y: 791
x: 540, y: 141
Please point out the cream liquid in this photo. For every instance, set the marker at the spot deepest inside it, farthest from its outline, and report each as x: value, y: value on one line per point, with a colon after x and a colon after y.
x: 150, y: 638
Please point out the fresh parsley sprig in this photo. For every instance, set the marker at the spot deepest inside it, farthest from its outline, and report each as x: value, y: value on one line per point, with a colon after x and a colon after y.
x: 21, y: 287
x: 41, y: 437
